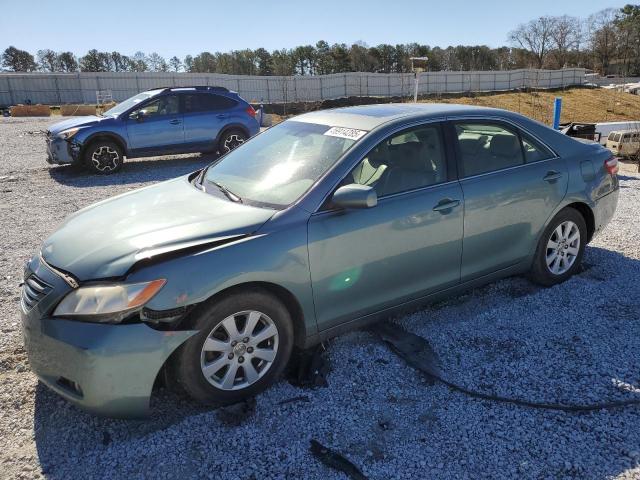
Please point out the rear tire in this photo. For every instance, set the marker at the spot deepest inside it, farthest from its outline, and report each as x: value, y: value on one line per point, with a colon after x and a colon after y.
x: 560, y: 248
x: 103, y: 157
x: 230, y: 140
x: 243, y: 345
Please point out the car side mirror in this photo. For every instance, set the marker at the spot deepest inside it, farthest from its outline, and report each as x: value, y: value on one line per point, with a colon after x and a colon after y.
x: 138, y: 115
x: 355, y: 196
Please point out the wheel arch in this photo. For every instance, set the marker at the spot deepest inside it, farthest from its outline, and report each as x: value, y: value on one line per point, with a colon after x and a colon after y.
x: 232, y: 126
x: 588, y: 215
x: 111, y: 136
x: 289, y: 300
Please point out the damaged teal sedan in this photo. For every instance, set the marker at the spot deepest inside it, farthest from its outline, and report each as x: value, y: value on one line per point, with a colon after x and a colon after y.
x: 321, y: 224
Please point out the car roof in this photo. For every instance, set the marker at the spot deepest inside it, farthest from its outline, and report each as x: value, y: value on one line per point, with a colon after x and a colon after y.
x: 368, y: 117
x: 623, y: 131
x: 199, y: 88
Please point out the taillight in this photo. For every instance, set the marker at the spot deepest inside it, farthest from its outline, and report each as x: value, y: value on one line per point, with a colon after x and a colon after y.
x: 251, y: 111
x: 611, y: 165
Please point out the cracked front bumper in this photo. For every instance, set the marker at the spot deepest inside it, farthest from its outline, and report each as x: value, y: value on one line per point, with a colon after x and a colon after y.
x: 60, y: 151
x: 107, y: 369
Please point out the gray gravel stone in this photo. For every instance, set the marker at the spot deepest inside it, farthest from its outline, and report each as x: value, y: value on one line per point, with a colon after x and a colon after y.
x: 576, y: 342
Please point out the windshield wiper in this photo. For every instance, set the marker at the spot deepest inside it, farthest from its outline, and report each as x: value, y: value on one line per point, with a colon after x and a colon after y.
x: 230, y: 195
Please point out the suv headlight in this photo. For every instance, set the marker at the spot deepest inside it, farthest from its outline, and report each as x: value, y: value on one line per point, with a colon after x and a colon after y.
x: 107, y: 303
x: 67, y: 134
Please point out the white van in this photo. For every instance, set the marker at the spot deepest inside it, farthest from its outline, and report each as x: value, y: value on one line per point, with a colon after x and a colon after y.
x: 605, y: 128
x: 624, y: 143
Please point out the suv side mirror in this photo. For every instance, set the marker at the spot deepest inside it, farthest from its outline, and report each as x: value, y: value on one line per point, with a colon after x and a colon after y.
x: 355, y: 196
x: 138, y: 115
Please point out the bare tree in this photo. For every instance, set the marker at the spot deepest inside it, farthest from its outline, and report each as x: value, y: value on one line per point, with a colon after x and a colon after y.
x: 603, y: 38
x: 157, y: 63
x: 536, y: 37
x: 566, y: 36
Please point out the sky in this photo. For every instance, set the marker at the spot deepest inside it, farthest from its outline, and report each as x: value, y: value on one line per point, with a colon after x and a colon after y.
x: 192, y: 26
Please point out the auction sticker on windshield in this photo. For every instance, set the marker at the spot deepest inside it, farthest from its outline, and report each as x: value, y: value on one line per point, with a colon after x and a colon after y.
x: 343, y: 132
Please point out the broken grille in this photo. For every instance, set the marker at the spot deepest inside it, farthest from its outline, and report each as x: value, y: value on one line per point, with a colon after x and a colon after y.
x: 33, y: 290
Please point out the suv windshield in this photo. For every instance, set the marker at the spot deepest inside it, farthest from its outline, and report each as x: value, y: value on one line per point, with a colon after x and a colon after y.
x: 128, y: 103
x: 279, y: 165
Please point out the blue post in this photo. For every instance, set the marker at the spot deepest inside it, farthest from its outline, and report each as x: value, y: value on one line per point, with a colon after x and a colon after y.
x: 557, y: 110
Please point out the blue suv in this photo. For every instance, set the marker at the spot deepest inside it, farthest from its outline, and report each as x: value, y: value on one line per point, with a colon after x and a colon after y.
x: 161, y: 121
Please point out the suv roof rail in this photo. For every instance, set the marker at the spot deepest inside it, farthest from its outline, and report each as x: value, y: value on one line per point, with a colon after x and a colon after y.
x: 196, y: 87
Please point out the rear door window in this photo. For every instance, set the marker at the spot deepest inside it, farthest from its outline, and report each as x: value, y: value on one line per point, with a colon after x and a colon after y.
x: 207, y: 102
x: 534, y: 151
x: 487, y: 147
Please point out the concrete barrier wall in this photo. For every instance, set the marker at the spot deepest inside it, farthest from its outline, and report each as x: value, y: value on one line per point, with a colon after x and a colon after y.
x: 74, y: 88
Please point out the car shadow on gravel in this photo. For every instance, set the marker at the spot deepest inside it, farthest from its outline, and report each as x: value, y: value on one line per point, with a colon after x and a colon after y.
x: 57, y: 421
x: 67, y: 438
x: 134, y: 171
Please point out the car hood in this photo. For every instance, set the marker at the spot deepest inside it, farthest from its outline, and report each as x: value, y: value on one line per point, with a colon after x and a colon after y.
x: 105, y: 239
x: 76, y: 122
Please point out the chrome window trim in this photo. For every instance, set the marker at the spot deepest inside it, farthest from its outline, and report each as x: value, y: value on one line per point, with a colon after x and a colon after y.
x: 510, y: 122
x: 413, y: 124
x: 506, y: 169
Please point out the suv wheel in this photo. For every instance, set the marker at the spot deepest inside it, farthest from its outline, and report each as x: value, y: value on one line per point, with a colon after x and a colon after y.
x: 230, y: 140
x: 103, y: 157
x: 560, y: 248
x: 244, y: 343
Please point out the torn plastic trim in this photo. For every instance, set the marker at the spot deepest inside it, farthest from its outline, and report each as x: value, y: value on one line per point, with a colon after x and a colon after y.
x: 166, y: 320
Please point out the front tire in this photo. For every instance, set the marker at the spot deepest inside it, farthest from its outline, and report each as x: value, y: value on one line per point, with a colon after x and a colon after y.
x: 103, y: 157
x: 560, y: 248
x: 243, y: 345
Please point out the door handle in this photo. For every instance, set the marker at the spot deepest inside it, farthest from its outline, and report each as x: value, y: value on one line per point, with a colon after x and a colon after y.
x: 222, y: 115
x: 446, y: 204
x: 551, y: 176
x: 175, y: 121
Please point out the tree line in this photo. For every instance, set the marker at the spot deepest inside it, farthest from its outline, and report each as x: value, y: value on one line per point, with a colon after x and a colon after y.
x: 607, y: 41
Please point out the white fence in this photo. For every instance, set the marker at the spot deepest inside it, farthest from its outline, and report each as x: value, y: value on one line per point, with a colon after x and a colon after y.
x: 61, y: 88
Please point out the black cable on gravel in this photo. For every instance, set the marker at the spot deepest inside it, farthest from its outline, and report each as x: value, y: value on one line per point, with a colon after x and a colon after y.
x: 416, y: 351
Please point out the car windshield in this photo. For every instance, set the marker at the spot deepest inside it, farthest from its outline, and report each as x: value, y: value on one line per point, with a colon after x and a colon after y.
x: 278, y: 166
x: 128, y: 103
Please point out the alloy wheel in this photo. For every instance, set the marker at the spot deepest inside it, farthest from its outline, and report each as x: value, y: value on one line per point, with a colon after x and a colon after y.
x: 105, y: 159
x: 231, y: 142
x: 563, y: 247
x: 239, y: 350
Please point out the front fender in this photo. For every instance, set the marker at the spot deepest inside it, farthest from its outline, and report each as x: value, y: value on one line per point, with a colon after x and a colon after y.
x: 116, y: 136
x: 277, y: 257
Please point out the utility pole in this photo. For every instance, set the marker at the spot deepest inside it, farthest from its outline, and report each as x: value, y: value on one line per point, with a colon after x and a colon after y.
x: 416, y: 72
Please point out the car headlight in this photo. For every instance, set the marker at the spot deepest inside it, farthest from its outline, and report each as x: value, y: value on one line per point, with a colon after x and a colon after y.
x: 67, y: 134
x: 108, y: 303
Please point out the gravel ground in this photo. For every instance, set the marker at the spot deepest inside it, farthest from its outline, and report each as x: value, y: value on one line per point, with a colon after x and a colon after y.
x: 577, y: 342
